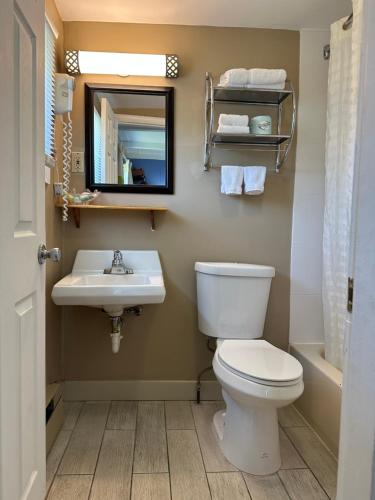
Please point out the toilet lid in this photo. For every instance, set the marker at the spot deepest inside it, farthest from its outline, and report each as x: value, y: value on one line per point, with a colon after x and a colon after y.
x: 259, y: 360
x: 235, y: 269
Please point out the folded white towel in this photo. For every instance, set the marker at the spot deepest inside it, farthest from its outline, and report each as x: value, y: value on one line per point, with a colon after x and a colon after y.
x: 254, y: 178
x: 261, y: 76
x: 241, y: 120
x: 253, y: 78
x: 231, y: 179
x: 274, y: 86
x: 233, y: 129
x: 235, y: 76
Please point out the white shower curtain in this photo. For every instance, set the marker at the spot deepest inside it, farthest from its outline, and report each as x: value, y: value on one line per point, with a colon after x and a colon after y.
x: 343, y: 82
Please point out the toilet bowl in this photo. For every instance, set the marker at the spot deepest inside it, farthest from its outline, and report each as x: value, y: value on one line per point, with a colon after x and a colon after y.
x: 256, y: 377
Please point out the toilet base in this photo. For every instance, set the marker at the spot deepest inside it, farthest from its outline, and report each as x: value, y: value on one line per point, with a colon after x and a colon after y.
x: 249, y: 437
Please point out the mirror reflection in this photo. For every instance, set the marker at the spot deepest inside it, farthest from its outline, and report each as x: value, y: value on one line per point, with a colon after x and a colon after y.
x: 130, y: 140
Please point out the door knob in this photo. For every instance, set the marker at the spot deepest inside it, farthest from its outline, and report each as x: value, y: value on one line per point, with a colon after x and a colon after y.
x: 43, y: 254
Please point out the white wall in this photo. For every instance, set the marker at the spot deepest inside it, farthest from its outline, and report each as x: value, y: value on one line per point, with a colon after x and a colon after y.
x: 306, y: 309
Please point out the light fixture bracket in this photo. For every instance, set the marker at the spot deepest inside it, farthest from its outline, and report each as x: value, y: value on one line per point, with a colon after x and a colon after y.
x: 172, y: 66
x: 72, y: 62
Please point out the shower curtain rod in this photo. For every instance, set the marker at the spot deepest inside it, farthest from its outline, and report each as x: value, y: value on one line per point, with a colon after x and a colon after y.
x: 346, y: 26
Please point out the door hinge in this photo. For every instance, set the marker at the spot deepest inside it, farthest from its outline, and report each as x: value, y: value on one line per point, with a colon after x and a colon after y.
x: 350, y: 295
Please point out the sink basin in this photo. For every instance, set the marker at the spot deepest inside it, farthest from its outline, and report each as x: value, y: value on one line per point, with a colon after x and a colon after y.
x: 87, y: 285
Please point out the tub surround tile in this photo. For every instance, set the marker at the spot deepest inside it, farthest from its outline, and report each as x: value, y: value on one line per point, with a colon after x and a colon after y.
x: 150, y: 454
x: 82, y: 452
x: 113, y: 473
x: 224, y: 485
x: 306, y: 318
x: 317, y: 457
x: 266, y: 487
x: 188, y: 478
x: 55, y: 456
x: 151, y: 487
x: 213, y: 458
x: 122, y: 415
x: 306, y: 279
x: 308, y: 219
x: 301, y: 484
x: 308, y: 182
x: 308, y: 197
x: 179, y: 415
x: 69, y: 487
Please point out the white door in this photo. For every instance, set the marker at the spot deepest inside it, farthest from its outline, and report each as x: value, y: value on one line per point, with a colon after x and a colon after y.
x: 109, y: 142
x: 356, y: 478
x: 22, y: 279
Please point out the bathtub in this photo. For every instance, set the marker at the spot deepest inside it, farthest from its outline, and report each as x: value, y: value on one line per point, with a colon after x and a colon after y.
x: 320, y: 402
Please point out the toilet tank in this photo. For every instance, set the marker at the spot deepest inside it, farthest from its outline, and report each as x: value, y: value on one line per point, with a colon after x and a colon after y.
x: 232, y: 299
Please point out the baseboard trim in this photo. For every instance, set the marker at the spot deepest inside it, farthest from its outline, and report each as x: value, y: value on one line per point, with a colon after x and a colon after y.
x: 136, y: 390
x: 54, y: 425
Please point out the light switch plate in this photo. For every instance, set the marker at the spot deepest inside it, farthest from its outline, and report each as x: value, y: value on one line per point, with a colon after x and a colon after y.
x: 78, y: 162
x: 47, y: 175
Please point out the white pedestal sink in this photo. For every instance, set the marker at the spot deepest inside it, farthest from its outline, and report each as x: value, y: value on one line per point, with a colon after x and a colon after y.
x: 87, y: 285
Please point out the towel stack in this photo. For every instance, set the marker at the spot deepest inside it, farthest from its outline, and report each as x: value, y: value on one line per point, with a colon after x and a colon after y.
x: 232, y: 179
x: 233, y: 124
x: 254, y: 78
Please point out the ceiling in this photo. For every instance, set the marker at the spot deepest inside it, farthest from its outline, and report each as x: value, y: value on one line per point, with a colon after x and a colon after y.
x: 285, y: 14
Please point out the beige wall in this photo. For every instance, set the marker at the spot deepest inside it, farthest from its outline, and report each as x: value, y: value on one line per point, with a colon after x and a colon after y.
x: 54, y: 233
x: 202, y: 224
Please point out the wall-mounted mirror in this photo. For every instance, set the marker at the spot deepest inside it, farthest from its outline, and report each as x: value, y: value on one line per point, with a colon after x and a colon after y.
x: 129, y: 138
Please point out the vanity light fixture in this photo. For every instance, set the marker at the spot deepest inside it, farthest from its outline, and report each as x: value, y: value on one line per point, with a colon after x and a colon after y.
x: 120, y: 63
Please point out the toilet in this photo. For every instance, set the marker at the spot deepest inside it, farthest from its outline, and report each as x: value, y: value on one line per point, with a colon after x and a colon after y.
x: 256, y: 377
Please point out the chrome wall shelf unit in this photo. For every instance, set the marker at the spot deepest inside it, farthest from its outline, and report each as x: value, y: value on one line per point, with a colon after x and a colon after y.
x: 280, y: 142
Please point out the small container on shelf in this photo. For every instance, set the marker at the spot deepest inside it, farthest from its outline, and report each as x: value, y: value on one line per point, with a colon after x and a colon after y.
x: 261, y: 125
x: 84, y: 198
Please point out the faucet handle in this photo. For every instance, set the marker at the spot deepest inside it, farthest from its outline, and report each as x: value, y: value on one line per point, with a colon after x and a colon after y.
x: 117, y: 257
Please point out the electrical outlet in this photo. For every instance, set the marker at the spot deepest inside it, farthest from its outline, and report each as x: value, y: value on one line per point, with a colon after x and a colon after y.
x: 58, y: 188
x: 78, y: 162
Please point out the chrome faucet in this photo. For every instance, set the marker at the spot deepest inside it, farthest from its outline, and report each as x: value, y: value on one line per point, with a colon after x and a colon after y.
x: 118, y: 266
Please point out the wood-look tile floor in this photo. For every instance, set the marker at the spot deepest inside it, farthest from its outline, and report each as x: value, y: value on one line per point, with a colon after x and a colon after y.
x: 156, y: 450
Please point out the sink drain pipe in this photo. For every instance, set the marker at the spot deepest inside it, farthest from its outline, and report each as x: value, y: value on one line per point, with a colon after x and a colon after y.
x: 116, y: 336
x: 116, y: 322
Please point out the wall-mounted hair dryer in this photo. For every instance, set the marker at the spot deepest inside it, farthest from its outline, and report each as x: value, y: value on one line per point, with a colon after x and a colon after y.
x: 64, y: 105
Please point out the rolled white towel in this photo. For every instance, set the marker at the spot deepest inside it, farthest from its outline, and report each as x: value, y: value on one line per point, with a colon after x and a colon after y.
x: 241, y: 120
x: 233, y: 129
x: 261, y: 76
x: 234, y: 77
x: 234, y: 85
x: 231, y: 179
x: 254, y: 178
x: 273, y: 86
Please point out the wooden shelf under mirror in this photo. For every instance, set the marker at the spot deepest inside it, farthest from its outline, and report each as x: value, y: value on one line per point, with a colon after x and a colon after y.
x: 76, y: 211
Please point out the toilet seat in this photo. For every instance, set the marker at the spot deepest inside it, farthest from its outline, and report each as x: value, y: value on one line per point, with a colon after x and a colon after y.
x: 260, y: 362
